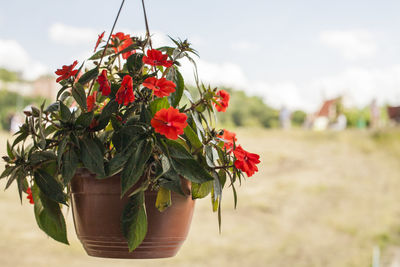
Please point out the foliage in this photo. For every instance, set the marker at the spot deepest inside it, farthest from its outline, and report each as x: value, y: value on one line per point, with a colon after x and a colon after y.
x: 9, y: 76
x: 298, y: 117
x: 357, y: 117
x: 9, y: 101
x: 248, y: 111
x: 124, y: 116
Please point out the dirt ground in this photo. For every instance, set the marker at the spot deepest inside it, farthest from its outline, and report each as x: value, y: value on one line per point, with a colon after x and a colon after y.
x: 320, y: 199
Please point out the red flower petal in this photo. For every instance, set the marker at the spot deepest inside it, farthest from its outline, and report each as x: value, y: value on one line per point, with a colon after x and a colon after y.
x: 105, y: 87
x: 161, y: 87
x: 169, y: 122
x: 66, y: 71
x: 157, y: 58
x: 125, y: 92
x: 222, y: 99
x: 91, y: 101
x: 99, y: 39
x: 30, y: 197
x: 246, y: 161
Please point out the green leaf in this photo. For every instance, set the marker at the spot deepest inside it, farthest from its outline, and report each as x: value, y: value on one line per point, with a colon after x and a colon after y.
x: 7, y: 171
x: 99, y: 53
x: 10, y: 152
x: 176, y: 96
x: 16, y: 173
x: 91, y: 156
x: 163, y: 200
x: 49, y: 186
x: 134, y: 63
x: 78, y: 93
x: 65, y: 87
x: 69, y: 164
x: 145, y: 115
x: 135, y: 165
x: 192, y: 137
x: 49, y: 216
x: 126, y: 136
x: 222, y: 177
x: 85, y: 119
x: 158, y: 104
x: 201, y: 190
x: 61, y: 149
x: 134, y: 221
x: 53, y: 107
x: 65, y: 113
x: 184, y: 163
x: 88, y: 76
x: 19, y: 138
x: 105, y: 115
x: 38, y: 157
x: 117, y: 163
x: 172, y: 181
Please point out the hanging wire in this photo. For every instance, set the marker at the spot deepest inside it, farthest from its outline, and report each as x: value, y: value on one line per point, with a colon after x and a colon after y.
x: 112, y: 30
x: 147, y: 25
x: 108, y: 41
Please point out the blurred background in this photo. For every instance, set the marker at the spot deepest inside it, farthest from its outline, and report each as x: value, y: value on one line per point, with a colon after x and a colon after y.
x: 315, y: 90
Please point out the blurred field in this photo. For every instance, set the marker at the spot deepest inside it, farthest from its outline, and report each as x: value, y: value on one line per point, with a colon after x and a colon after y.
x: 320, y: 199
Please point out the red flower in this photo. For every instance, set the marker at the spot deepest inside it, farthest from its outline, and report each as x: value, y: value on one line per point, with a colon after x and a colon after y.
x: 99, y: 40
x: 121, y: 36
x: 222, y: 99
x: 66, y: 71
x: 169, y: 122
x: 157, y: 58
x: 125, y: 45
x: 161, y: 87
x: 105, y: 87
x: 94, y: 124
x: 230, y: 138
x: 91, y: 101
x: 125, y: 92
x: 124, y: 42
x: 30, y: 197
x: 246, y: 161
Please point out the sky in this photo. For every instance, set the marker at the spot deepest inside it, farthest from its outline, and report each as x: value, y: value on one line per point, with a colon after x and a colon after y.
x: 291, y: 53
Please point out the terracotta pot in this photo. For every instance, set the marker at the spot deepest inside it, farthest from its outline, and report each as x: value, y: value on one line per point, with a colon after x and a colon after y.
x: 97, y: 209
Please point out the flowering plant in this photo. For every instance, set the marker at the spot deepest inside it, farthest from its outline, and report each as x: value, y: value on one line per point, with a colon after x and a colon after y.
x: 126, y: 114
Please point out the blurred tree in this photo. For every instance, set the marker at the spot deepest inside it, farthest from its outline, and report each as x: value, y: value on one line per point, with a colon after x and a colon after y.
x: 357, y: 117
x: 9, y: 104
x: 244, y: 110
x: 9, y: 76
x: 298, y: 118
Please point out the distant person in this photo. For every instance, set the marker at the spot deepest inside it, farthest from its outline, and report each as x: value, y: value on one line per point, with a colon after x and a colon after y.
x: 340, y: 124
x: 375, y: 114
x: 284, y: 118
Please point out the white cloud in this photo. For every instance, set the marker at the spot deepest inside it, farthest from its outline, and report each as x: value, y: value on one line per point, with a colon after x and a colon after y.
x: 13, y: 56
x: 226, y: 74
x: 70, y: 35
x: 245, y: 46
x: 361, y: 85
x: 358, y: 85
x: 351, y: 44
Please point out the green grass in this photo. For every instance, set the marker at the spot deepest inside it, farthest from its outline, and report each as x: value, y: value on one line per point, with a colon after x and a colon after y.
x: 320, y: 199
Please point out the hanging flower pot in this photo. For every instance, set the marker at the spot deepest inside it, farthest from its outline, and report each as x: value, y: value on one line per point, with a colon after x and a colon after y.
x: 129, y: 148
x: 97, y: 207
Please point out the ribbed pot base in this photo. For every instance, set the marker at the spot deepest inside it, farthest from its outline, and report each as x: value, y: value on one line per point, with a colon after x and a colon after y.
x: 149, y: 249
x: 97, y: 209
